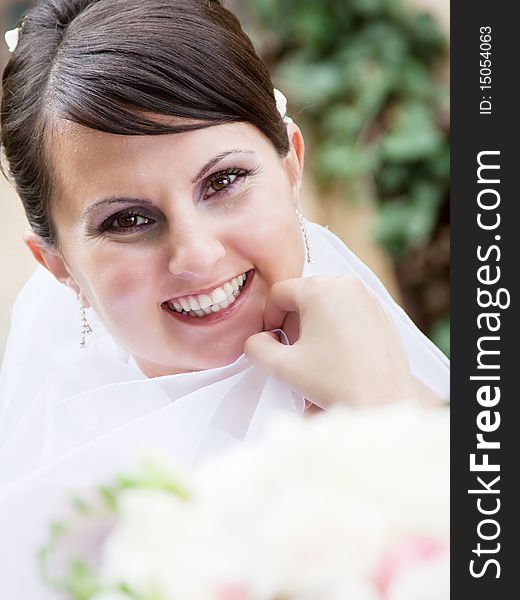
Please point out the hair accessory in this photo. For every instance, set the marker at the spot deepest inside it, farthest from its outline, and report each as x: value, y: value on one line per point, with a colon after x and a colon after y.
x: 11, y: 38
x: 86, y: 329
x: 306, y: 238
x: 281, y: 105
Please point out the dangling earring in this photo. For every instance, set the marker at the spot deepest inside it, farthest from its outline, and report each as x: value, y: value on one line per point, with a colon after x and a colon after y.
x: 86, y: 329
x: 306, y: 238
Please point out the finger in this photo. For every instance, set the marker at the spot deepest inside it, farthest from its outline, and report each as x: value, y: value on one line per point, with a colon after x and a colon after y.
x: 266, y: 351
x: 284, y: 296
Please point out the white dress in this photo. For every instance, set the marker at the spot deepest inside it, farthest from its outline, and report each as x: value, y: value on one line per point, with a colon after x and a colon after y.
x: 71, y: 417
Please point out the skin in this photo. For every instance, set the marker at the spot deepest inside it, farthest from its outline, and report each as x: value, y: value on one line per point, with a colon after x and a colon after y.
x: 357, y: 359
x: 194, y: 232
x: 189, y: 234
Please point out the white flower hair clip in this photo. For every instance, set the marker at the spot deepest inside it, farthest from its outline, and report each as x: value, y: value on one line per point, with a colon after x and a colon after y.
x: 281, y: 105
x: 11, y: 38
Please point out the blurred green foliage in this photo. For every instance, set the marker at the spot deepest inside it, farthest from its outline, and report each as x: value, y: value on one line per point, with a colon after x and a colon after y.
x: 363, y: 81
x: 440, y: 334
x: 17, y: 8
x: 362, y: 72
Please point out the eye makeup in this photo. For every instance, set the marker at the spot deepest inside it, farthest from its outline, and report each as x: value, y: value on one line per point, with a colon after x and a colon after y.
x: 235, y: 177
x: 126, y: 221
x: 138, y: 218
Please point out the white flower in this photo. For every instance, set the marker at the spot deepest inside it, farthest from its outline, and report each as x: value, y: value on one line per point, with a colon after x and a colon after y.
x: 11, y: 38
x: 281, y: 102
x: 367, y: 477
x: 149, y: 521
x: 281, y: 105
x: 428, y: 580
x: 311, y: 512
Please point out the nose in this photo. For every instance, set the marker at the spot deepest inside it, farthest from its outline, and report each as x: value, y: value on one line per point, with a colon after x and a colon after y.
x: 195, y: 250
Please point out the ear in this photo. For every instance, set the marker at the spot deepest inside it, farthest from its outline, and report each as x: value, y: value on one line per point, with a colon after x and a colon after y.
x: 295, y: 158
x: 50, y: 258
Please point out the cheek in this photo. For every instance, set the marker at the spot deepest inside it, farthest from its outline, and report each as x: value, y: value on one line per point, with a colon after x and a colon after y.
x: 283, y: 253
x: 271, y: 238
x: 118, y: 282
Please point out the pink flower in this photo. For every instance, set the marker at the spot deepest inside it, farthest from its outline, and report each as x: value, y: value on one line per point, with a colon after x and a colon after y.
x: 233, y: 591
x: 408, y: 554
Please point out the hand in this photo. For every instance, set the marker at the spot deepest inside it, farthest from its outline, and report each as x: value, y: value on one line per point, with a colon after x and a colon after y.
x: 345, y: 349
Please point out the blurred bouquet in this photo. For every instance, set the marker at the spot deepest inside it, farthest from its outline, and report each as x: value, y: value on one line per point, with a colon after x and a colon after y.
x: 351, y: 504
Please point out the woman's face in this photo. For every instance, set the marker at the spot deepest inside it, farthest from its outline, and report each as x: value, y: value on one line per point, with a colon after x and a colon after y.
x: 153, y: 225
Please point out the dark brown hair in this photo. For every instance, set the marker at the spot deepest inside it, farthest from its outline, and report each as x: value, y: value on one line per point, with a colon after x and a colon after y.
x: 111, y: 65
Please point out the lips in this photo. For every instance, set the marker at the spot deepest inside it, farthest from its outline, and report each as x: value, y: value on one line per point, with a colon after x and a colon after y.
x: 212, y: 303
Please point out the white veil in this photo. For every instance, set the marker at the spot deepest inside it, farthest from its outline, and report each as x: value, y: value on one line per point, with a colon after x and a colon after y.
x: 55, y: 397
x: 71, y: 417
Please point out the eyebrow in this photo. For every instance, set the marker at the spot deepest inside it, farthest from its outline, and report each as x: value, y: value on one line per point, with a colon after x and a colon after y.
x: 215, y: 160
x: 122, y: 200
x: 114, y: 200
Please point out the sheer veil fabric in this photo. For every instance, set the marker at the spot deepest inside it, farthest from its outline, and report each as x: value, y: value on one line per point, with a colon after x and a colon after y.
x: 71, y: 417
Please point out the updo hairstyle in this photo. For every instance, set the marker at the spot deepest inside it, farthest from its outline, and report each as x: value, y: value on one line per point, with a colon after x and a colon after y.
x: 112, y: 66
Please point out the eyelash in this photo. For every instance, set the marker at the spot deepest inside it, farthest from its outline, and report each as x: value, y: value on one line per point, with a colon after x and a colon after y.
x: 240, y: 175
x: 107, y: 224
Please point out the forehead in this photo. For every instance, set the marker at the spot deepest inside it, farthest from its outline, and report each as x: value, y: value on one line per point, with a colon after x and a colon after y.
x: 88, y: 162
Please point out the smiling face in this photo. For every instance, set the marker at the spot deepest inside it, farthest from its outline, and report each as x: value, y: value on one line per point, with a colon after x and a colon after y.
x: 176, y: 239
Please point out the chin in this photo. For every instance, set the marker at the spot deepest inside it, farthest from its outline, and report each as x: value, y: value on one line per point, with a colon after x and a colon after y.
x: 205, y: 356
x: 224, y: 352
x: 221, y: 361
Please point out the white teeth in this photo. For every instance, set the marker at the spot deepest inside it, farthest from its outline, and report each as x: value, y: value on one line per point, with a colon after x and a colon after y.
x: 218, y: 296
x: 204, y: 304
x: 194, y: 305
x: 204, y: 301
x: 228, y: 288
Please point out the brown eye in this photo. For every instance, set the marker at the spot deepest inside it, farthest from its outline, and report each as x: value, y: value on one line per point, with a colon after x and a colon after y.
x: 221, y: 182
x: 128, y: 221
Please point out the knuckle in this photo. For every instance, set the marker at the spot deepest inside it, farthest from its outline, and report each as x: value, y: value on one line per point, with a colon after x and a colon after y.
x: 278, y: 285
x: 249, y: 346
x: 281, y: 288
x: 276, y: 368
x: 352, y: 285
x: 348, y: 279
x: 314, y: 286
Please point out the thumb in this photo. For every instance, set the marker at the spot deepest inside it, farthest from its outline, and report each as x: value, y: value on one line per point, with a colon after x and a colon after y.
x: 266, y: 351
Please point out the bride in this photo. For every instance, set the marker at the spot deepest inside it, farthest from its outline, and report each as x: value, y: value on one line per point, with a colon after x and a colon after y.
x: 161, y: 178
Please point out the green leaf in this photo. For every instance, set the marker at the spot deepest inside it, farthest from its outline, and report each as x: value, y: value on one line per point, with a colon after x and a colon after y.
x: 312, y: 84
x: 406, y: 223
x: 426, y: 37
x: 343, y: 121
x: 82, y: 583
x: 313, y: 26
x: 440, y: 334
x: 367, y: 8
x: 413, y: 135
x: 338, y: 160
x: 393, y: 178
x: 386, y: 41
x: 416, y: 81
